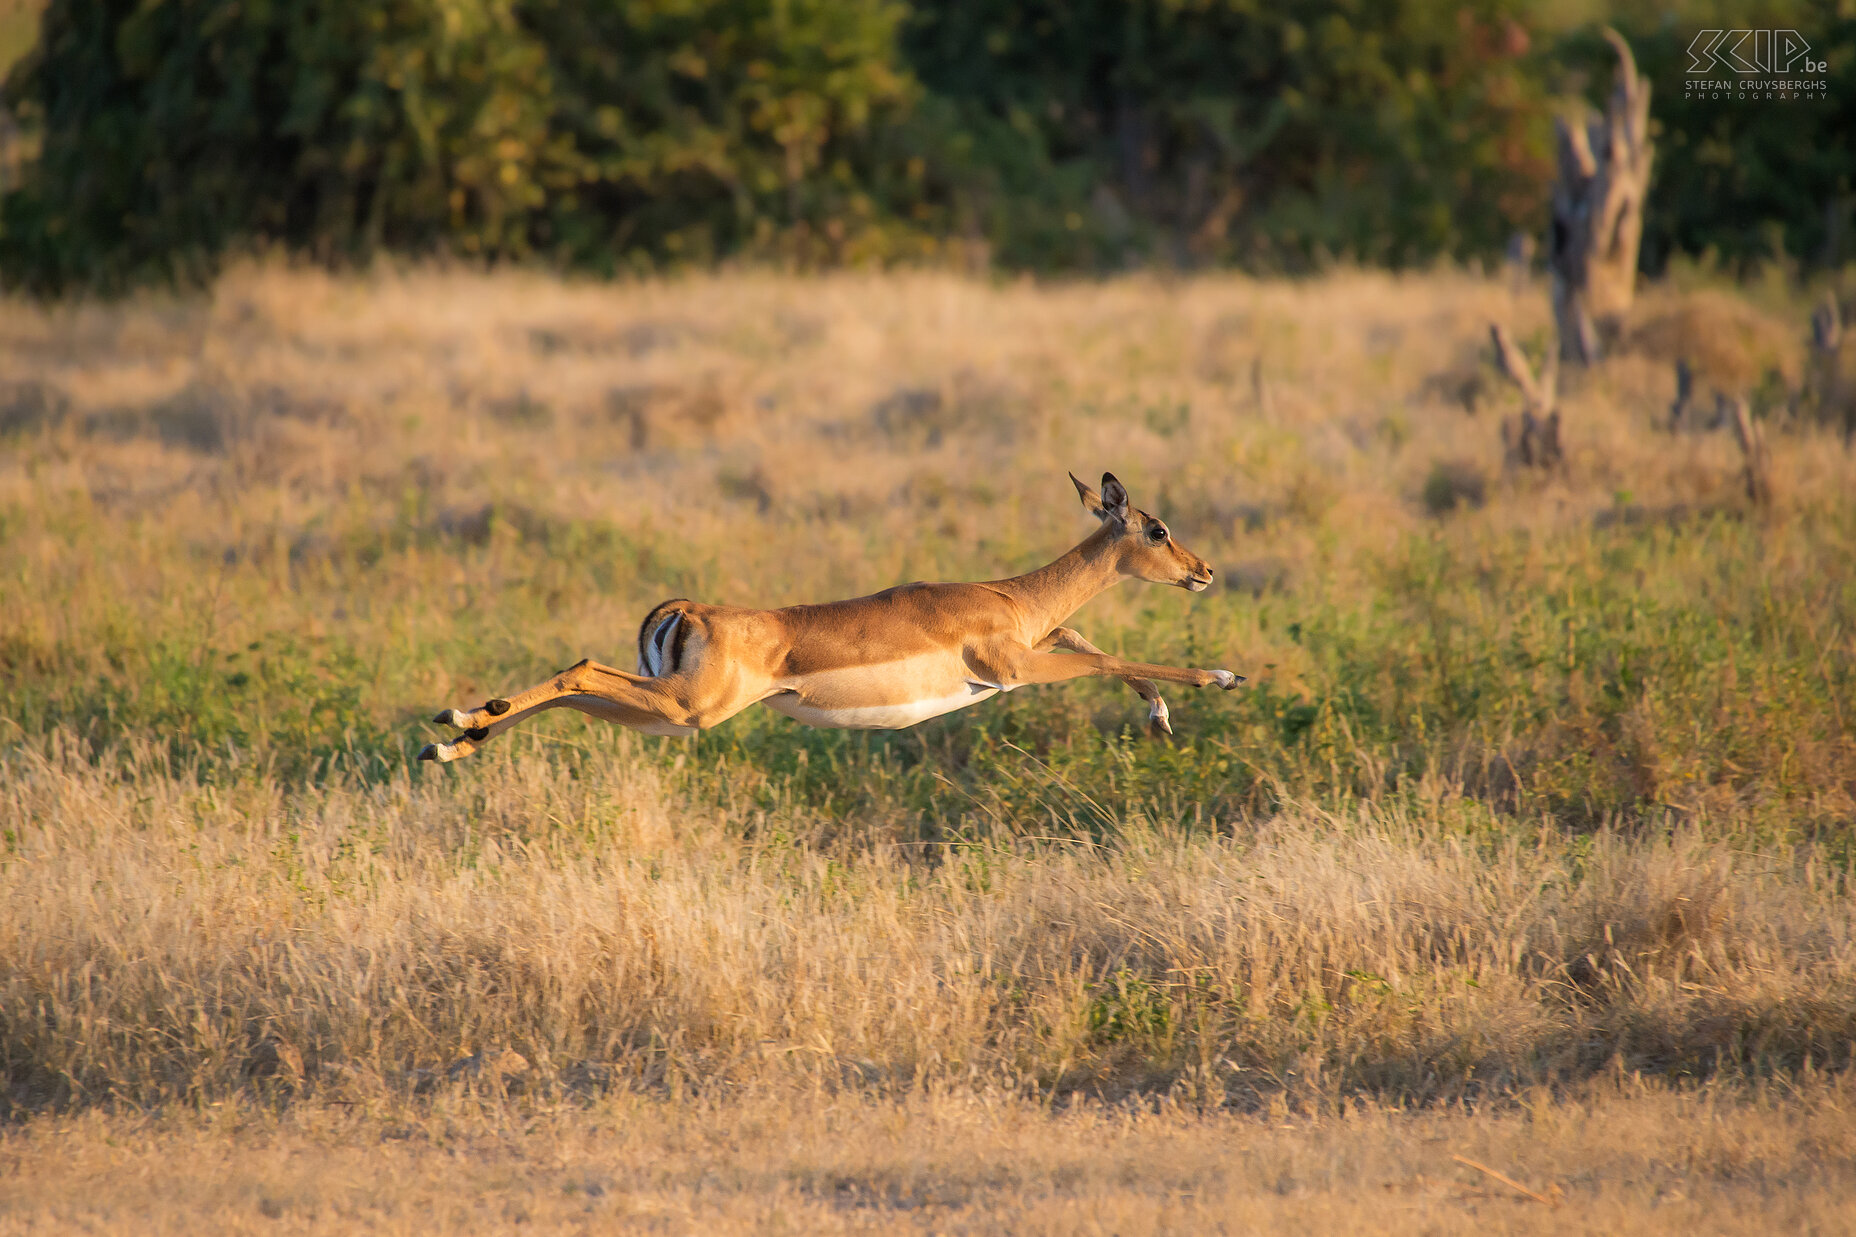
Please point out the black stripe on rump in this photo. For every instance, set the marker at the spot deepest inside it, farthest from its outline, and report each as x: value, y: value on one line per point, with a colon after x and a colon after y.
x: 652, y: 634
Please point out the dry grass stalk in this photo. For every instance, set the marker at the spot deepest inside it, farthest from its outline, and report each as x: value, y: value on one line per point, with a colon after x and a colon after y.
x: 1506, y: 1180
x: 1260, y: 390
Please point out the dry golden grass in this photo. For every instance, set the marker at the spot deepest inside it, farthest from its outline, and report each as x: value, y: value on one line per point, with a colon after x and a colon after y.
x: 1622, y: 1157
x: 165, y: 932
x: 1539, y: 790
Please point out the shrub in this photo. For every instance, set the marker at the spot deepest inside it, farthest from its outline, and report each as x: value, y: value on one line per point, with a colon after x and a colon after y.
x: 704, y: 127
x: 171, y: 132
x: 1230, y: 131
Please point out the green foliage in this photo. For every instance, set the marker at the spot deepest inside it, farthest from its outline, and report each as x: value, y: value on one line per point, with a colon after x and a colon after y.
x: 610, y: 135
x: 1269, y: 134
x: 705, y: 127
x: 172, y: 132
x: 294, y: 705
x: 1127, y: 1006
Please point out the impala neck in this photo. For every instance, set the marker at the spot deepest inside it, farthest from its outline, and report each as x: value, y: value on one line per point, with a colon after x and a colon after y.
x: 1057, y: 590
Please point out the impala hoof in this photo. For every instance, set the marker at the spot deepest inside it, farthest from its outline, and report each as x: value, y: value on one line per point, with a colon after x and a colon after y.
x: 496, y: 708
x: 1159, y: 723
x: 449, y: 717
x: 445, y: 753
x: 1226, y: 679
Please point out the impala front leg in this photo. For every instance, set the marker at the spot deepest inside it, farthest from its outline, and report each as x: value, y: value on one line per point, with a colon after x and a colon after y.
x: 1030, y: 666
x: 1159, y: 723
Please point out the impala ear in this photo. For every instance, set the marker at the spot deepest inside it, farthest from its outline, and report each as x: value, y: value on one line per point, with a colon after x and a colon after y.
x: 1114, y: 497
x: 1092, y: 501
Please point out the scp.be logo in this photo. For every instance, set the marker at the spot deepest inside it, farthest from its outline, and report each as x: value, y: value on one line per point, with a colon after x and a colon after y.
x: 1750, y: 52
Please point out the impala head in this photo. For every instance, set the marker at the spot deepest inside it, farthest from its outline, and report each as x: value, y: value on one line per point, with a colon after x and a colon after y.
x: 1143, y: 546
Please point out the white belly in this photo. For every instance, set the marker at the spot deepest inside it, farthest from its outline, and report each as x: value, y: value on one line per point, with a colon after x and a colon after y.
x: 894, y: 716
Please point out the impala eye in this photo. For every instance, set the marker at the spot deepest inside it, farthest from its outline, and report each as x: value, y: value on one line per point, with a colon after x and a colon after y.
x: 1156, y: 534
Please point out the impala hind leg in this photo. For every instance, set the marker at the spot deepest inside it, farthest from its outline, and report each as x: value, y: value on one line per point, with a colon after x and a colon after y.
x: 630, y: 700
x: 1159, y: 720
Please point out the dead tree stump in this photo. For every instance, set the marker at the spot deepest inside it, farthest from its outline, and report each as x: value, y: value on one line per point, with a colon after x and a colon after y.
x: 1533, y: 439
x: 1752, y: 449
x: 1598, y: 196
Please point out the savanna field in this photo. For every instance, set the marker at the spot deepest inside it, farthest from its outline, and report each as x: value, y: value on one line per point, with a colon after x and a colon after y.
x: 1529, y: 840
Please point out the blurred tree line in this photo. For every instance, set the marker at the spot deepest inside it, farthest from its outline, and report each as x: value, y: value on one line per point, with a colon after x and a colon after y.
x: 1040, y: 134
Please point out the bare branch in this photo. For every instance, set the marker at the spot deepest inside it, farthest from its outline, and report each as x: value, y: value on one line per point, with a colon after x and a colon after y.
x: 1536, y: 443
x: 1540, y: 393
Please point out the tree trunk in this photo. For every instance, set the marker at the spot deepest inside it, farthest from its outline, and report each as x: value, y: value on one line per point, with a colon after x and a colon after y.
x: 1604, y: 175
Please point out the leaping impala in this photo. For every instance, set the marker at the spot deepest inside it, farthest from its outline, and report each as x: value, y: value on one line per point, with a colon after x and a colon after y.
x: 881, y: 662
